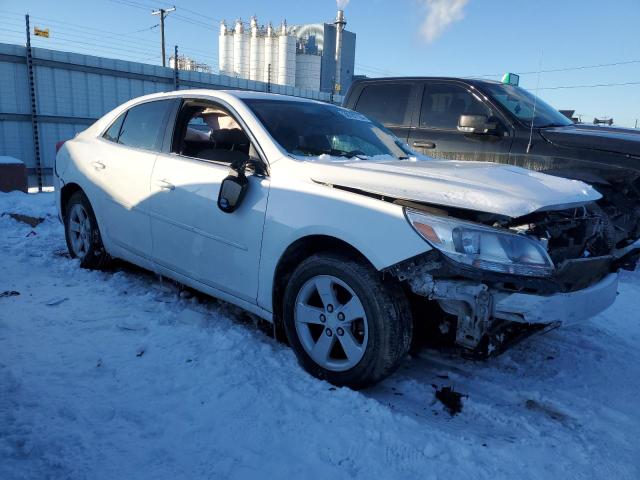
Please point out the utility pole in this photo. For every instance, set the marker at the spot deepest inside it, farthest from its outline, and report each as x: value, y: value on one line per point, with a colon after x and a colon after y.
x: 163, y: 13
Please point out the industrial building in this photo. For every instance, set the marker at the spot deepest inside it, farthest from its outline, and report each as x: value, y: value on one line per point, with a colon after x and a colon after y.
x: 317, y: 56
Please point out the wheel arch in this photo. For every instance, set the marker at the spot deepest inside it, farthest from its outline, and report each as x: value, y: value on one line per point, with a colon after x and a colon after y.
x: 295, y: 253
x: 65, y: 194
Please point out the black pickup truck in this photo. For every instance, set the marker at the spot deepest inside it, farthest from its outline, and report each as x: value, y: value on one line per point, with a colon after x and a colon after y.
x: 465, y: 119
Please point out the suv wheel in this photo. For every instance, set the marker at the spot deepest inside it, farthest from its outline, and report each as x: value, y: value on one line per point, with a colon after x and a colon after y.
x: 82, y: 233
x: 344, y: 323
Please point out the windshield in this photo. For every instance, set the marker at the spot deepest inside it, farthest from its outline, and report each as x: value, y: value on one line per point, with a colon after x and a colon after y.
x: 313, y: 129
x: 520, y: 103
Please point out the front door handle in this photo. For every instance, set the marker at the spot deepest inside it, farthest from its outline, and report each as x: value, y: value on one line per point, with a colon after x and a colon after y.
x: 98, y: 165
x: 164, y: 185
x: 428, y: 145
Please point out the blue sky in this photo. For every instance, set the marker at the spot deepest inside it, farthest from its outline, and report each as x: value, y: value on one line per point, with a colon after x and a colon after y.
x: 485, y: 37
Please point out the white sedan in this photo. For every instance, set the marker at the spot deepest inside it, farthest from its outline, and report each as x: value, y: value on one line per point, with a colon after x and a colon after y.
x: 315, y: 218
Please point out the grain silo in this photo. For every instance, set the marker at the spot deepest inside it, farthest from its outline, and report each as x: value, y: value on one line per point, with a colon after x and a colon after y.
x: 316, y: 56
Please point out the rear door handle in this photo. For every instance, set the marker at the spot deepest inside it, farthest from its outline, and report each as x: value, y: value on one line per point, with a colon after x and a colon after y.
x: 98, y: 165
x: 429, y: 145
x: 164, y: 185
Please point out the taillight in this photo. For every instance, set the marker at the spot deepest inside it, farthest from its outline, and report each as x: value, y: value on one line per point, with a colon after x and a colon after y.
x: 59, y: 145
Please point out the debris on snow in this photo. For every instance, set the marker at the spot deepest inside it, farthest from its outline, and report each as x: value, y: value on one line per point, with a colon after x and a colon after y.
x: 29, y: 220
x: 451, y: 400
x: 9, y: 293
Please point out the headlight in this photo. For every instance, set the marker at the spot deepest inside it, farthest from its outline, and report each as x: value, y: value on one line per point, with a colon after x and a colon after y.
x: 481, y: 246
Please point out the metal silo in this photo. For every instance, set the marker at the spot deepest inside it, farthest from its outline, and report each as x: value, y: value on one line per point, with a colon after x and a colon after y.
x: 286, y: 57
x: 270, y: 70
x: 240, y: 51
x: 256, y: 47
x: 225, y: 50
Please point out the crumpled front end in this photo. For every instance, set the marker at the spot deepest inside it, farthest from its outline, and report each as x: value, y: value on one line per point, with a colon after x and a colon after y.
x: 491, y: 309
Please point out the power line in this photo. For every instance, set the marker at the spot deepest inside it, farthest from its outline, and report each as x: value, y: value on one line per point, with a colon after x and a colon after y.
x: 590, y: 86
x: 563, y: 69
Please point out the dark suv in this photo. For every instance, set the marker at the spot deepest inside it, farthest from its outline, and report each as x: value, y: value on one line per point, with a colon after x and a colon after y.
x: 465, y: 119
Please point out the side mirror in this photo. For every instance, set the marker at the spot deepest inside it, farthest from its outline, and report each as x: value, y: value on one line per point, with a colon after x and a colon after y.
x: 232, y: 191
x: 476, y: 124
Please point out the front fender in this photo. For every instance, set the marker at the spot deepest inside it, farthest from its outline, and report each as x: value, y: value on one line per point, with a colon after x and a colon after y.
x: 377, y: 229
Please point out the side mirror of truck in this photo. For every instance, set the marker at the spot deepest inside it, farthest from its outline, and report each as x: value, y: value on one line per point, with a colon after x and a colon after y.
x: 476, y: 124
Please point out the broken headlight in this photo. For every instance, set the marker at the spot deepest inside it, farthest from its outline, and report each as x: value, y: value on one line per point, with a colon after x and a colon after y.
x: 483, y: 247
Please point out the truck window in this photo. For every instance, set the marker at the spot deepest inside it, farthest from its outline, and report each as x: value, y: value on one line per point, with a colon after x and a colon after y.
x: 386, y: 102
x: 443, y: 104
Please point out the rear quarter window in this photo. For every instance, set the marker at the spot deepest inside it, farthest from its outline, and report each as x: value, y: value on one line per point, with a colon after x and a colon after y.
x: 387, y: 103
x: 113, y: 132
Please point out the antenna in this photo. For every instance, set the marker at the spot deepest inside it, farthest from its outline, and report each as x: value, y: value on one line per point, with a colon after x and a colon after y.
x: 535, y: 101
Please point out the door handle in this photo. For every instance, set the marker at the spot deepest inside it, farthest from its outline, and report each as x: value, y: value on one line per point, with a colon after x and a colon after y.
x: 164, y: 185
x: 98, y: 165
x: 428, y: 145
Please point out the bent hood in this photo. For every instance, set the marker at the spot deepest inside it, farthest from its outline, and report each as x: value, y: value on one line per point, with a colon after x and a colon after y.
x: 480, y: 186
x: 625, y: 141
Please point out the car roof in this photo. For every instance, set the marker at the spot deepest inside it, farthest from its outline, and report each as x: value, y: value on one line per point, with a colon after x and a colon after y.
x: 240, y: 94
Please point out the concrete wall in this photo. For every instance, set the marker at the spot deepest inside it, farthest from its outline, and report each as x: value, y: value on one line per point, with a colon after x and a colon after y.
x: 73, y: 90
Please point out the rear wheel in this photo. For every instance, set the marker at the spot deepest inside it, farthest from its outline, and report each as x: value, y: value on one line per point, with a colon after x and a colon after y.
x: 82, y: 233
x: 344, y: 323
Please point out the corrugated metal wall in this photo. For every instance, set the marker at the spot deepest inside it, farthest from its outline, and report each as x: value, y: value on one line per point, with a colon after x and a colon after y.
x: 73, y: 90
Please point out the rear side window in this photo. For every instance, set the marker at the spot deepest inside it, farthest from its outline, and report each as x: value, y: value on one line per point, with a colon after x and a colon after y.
x: 386, y: 102
x: 144, y: 124
x: 443, y: 104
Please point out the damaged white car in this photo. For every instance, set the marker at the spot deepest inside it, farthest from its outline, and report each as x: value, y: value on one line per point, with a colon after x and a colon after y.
x: 318, y: 220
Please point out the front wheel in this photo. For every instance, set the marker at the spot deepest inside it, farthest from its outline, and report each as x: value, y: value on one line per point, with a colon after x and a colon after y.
x: 344, y: 323
x: 82, y: 233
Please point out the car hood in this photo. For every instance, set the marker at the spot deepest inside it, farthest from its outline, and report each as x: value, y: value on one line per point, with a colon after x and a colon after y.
x: 606, y: 139
x: 480, y: 186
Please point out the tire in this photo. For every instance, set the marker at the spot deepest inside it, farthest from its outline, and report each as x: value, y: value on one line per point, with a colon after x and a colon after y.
x: 82, y: 233
x: 360, y: 340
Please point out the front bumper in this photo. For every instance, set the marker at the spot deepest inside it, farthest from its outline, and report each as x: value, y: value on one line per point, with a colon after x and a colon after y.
x: 566, y: 308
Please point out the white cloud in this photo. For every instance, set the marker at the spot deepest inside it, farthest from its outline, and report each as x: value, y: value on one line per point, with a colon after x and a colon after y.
x: 440, y: 14
x: 342, y: 4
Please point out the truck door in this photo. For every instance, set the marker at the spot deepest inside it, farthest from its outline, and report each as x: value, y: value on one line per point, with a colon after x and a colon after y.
x: 389, y: 103
x: 435, y: 131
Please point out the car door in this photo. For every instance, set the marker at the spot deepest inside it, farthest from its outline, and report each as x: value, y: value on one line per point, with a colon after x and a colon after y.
x: 390, y: 103
x: 192, y: 237
x: 435, y: 126
x: 124, y: 167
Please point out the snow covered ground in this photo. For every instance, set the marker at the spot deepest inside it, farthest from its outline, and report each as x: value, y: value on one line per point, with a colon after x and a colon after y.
x: 107, y: 375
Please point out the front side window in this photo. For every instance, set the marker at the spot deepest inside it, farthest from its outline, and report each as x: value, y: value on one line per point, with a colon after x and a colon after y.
x: 209, y: 132
x: 313, y: 129
x: 144, y: 124
x: 386, y: 102
x: 443, y: 104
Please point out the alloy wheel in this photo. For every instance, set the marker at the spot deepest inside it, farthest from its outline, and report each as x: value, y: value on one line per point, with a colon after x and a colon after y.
x: 79, y: 230
x: 331, y: 323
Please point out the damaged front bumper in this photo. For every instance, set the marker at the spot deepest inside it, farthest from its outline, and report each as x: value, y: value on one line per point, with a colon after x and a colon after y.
x: 565, y: 308
x: 486, y: 305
